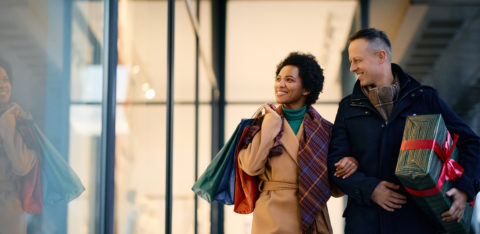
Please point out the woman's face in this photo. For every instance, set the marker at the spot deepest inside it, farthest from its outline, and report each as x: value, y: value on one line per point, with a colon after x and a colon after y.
x: 5, y: 87
x: 288, y: 88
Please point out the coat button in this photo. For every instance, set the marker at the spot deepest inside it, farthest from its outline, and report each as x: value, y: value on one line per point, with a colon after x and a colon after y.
x: 366, y: 112
x: 413, y: 95
x: 383, y: 125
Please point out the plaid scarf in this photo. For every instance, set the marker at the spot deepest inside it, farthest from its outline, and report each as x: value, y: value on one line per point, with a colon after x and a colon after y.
x: 383, y: 98
x: 314, y: 188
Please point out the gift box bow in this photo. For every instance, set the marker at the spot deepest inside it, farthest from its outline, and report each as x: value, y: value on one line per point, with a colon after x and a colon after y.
x: 450, y: 169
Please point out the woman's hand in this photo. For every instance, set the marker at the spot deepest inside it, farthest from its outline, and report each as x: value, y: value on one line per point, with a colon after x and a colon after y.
x: 19, y: 112
x: 269, y: 108
x: 272, y: 120
x: 345, y: 167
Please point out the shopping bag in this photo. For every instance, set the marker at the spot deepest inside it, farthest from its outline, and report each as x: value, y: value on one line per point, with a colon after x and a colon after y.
x: 32, y: 191
x: 60, y: 184
x: 32, y: 182
x: 246, y: 186
x: 226, y: 189
x: 208, y: 183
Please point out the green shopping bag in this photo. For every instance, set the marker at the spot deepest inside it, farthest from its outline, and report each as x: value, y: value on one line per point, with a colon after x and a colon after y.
x: 60, y: 184
x: 206, y: 186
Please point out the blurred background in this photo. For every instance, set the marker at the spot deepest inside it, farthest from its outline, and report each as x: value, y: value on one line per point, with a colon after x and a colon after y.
x: 181, y: 74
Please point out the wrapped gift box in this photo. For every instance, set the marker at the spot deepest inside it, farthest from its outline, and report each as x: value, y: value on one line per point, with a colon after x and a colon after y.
x: 419, y: 168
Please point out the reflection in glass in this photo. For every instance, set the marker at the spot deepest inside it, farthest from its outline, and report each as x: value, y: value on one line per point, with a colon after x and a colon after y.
x: 16, y: 160
x: 49, y: 45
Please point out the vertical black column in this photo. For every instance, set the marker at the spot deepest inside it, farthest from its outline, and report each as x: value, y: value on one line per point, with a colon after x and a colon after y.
x: 348, y: 78
x: 109, y: 108
x: 197, y: 104
x: 170, y: 103
x: 364, y: 13
x: 219, y: 9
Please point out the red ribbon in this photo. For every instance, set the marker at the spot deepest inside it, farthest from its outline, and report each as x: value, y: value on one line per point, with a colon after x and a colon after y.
x: 450, y: 169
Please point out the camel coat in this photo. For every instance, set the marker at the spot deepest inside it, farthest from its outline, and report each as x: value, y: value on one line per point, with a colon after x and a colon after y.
x: 277, y: 209
x: 16, y: 160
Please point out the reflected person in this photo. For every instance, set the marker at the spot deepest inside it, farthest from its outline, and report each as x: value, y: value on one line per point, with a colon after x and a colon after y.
x: 16, y: 160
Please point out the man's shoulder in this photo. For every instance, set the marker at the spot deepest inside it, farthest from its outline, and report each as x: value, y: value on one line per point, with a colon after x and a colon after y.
x: 346, y: 100
x: 427, y: 90
x: 414, y: 84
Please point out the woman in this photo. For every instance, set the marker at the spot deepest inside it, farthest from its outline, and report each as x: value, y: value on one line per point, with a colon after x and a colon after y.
x: 16, y: 161
x: 288, y: 154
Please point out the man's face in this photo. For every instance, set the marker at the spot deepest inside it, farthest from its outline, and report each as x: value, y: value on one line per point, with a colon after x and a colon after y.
x: 5, y: 87
x: 364, y: 62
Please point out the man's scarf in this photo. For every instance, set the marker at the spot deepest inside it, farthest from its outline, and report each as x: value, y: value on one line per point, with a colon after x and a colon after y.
x: 314, y: 189
x: 383, y: 98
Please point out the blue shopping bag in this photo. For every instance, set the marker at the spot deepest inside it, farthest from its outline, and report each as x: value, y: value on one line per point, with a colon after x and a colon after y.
x: 226, y: 188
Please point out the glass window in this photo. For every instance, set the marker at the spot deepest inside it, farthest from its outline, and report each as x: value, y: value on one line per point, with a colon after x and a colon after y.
x: 141, y: 117
x: 50, y: 115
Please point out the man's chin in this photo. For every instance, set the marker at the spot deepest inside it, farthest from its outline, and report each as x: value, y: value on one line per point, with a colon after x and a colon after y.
x: 363, y: 83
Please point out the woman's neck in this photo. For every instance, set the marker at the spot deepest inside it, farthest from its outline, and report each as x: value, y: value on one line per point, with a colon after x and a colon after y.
x: 294, y: 114
x: 293, y: 106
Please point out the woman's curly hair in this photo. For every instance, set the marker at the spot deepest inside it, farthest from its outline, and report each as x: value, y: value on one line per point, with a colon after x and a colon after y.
x: 310, y: 73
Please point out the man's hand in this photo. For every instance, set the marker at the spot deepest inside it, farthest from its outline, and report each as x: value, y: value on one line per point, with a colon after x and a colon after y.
x: 386, y: 198
x: 345, y: 167
x: 458, y: 205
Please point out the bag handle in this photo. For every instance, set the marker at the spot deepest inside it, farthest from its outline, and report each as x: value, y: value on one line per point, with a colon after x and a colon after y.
x: 258, y: 112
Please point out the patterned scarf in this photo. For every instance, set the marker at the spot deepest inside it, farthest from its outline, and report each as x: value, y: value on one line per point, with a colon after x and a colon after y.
x: 383, y: 98
x: 314, y: 188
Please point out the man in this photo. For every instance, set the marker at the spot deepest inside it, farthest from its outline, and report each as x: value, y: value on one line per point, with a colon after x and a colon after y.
x: 369, y: 126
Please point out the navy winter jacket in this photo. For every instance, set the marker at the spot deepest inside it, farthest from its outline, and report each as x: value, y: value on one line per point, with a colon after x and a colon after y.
x: 361, y: 132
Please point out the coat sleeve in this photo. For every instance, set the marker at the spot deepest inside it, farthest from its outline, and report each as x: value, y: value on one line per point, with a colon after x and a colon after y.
x: 358, y: 186
x: 468, y: 146
x: 252, y: 159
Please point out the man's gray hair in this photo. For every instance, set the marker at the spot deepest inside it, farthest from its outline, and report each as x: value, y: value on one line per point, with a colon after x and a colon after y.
x: 377, y: 40
x: 378, y: 44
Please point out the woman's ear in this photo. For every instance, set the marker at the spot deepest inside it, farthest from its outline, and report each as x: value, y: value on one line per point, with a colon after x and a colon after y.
x: 306, y: 92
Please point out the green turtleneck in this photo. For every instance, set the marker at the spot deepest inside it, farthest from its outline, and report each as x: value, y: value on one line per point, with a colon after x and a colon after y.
x: 294, y: 117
